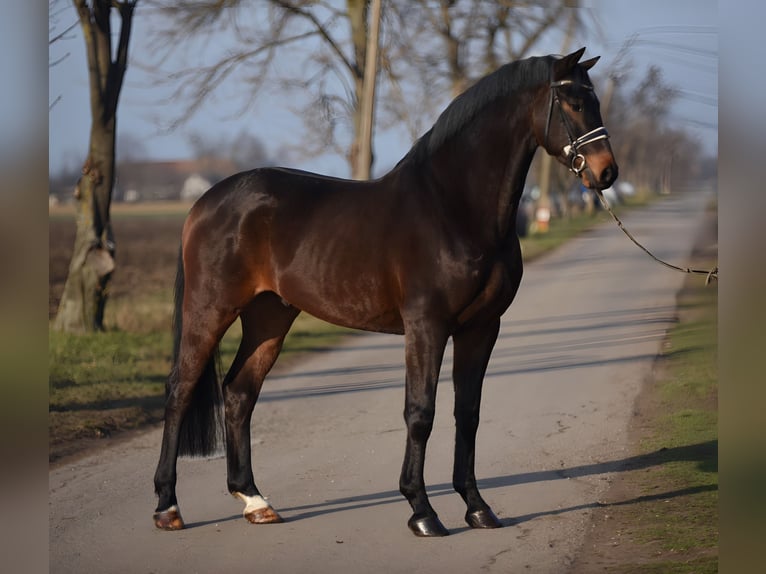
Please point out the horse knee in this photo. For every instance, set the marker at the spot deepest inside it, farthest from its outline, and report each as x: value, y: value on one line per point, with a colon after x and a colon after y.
x: 420, y: 422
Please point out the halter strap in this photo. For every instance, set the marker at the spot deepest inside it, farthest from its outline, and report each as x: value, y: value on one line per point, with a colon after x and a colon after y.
x: 572, y: 150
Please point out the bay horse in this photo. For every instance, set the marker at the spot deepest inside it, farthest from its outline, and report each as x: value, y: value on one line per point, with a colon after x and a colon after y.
x: 428, y: 251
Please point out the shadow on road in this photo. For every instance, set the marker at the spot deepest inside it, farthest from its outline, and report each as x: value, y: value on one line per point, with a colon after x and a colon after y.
x: 696, y: 452
x: 566, y: 341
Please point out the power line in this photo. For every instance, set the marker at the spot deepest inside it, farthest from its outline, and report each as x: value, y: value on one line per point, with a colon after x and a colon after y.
x: 697, y: 97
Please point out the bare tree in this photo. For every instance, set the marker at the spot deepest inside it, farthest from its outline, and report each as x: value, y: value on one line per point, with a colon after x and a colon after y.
x: 430, y: 50
x: 442, y: 46
x: 314, y: 47
x: 82, y: 304
x: 56, y: 34
x: 641, y: 136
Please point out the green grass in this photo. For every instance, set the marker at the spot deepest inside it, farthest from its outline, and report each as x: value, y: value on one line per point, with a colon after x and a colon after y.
x: 559, y: 232
x: 688, y: 403
x: 105, y: 383
x: 679, y: 530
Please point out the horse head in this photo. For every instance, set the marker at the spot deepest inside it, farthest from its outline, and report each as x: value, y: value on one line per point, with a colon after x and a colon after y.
x: 569, y: 126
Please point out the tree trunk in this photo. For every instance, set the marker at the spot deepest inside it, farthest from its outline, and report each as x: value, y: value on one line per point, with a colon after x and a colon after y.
x: 85, y: 292
x: 357, y: 16
x: 367, y: 107
x: 90, y: 270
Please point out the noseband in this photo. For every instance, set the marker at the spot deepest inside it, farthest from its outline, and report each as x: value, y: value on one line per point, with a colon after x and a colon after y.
x: 571, y: 151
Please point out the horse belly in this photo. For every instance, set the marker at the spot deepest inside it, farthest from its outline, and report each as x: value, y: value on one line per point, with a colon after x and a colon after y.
x: 349, y: 299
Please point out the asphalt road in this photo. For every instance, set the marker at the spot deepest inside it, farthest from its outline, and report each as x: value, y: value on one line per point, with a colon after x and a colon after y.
x: 328, y: 436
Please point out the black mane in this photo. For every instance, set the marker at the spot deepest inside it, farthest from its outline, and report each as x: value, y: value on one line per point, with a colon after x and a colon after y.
x: 503, y: 82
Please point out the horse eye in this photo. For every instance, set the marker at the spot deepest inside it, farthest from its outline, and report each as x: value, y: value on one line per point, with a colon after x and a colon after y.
x: 576, y: 107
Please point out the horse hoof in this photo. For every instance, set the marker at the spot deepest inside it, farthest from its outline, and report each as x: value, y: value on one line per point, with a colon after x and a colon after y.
x: 263, y: 516
x: 169, y: 519
x: 257, y: 510
x: 427, y: 526
x: 482, y: 519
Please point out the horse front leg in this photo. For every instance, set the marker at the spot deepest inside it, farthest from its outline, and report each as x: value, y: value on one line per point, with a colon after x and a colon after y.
x: 472, y: 349
x: 424, y: 351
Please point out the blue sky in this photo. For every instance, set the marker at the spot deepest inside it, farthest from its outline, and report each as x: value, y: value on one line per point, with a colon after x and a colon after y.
x: 680, y: 36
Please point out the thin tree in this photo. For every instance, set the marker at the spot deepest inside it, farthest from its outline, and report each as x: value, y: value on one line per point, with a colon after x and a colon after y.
x: 363, y: 160
x: 85, y: 293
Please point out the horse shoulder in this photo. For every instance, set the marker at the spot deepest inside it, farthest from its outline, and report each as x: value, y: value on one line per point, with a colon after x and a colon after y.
x: 497, y: 291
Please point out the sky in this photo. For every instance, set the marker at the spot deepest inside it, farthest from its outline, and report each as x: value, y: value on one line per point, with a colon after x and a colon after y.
x: 679, y: 36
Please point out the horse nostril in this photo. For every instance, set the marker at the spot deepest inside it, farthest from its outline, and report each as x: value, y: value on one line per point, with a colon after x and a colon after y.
x: 608, y: 175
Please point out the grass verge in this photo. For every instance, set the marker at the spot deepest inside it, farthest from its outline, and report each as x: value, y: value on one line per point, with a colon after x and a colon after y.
x: 107, y: 383
x: 661, y: 513
x: 563, y: 229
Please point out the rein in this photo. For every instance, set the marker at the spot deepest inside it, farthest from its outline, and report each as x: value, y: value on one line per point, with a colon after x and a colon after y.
x: 709, y: 274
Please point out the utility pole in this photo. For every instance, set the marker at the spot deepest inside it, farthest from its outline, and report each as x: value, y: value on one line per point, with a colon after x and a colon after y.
x: 364, y: 157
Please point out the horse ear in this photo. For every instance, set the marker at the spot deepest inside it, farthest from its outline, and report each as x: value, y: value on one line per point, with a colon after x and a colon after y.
x: 562, y: 66
x: 588, y: 64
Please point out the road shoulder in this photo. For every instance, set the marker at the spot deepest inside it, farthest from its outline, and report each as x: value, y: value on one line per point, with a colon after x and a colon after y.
x: 660, y: 513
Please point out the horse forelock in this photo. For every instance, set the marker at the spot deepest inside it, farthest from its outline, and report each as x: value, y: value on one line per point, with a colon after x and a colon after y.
x: 503, y: 82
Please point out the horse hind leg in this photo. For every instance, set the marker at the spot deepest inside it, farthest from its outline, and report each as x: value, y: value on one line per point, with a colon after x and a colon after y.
x: 265, y: 322
x: 194, y: 368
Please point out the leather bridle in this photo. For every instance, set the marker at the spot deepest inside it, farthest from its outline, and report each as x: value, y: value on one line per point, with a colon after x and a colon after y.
x: 571, y: 152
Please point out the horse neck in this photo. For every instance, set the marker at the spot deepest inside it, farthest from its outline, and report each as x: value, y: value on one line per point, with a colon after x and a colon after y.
x: 481, y: 172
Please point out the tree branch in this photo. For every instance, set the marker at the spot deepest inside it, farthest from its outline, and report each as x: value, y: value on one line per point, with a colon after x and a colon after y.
x: 58, y: 37
x: 199, y: 83
x: 120, y: 65
x: 91, y: 51
x: 298, y: 11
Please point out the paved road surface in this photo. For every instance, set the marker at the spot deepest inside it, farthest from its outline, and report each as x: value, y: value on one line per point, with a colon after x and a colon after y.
x: 573, y: 351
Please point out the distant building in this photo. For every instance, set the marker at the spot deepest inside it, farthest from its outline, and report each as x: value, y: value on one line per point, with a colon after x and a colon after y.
x: 169, y: 180
x: 194, y: 186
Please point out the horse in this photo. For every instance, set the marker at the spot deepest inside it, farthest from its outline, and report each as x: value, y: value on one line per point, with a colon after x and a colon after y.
x: 428, y: 251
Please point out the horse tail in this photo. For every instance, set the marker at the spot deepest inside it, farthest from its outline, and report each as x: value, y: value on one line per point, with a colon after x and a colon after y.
x: 201, y: 430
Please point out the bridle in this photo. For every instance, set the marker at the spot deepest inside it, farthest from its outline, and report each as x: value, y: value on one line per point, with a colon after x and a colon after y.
x: 571, y: 151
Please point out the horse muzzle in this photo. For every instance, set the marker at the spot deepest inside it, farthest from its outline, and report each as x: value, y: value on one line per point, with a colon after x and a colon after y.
x: 598, y: 171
